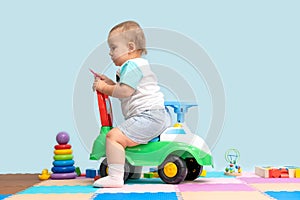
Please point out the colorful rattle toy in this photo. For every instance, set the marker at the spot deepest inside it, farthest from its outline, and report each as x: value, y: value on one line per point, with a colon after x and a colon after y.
x: 63, y: 159
x: 232, y: 156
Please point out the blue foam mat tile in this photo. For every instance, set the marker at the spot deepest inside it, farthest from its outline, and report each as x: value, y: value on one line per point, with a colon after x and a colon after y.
x: 145, y: 181
x: 219, y: 174
x: 136, y: 196
x: 3, y: 196
x: 59, y: 189
x: 283, y: 195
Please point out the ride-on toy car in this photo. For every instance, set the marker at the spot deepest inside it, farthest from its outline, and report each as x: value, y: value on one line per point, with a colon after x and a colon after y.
x: 179, y: 154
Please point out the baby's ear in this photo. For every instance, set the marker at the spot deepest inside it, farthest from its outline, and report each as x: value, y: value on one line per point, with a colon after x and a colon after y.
x: 131, y: 46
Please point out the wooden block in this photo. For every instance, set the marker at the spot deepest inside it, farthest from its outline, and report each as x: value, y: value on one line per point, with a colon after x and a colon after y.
x: 155, y: 175
x: 291, y: 173
x: 203, y: 173
x: 284, y: 173
x: 284, y: 176
x: 148, y: 175
x: 78, y: 172
x: 96, y: 178
x: 297, y: 173
x: 274, y: 173
x: 262, y: 172
x: 90, y: 173
x: 153, y: 169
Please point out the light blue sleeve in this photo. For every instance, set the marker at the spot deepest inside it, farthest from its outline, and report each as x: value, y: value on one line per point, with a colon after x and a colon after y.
x: 130, y: 74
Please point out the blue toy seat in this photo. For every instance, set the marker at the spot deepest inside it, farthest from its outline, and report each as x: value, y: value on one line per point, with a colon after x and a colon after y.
x: 156, y: 139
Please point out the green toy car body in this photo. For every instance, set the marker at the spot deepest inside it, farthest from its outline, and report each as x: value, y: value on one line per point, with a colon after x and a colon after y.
x: 179, y: 154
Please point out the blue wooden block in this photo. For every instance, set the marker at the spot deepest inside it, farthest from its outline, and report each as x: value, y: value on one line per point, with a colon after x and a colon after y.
x: 90, y: 173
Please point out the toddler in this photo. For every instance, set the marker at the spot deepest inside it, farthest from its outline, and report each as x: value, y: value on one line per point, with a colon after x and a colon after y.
x: 141, y: 99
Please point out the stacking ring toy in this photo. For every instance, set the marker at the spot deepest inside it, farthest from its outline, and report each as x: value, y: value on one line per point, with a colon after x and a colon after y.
x: 64, y: 175
x: 62, y: 146
x: 63, y: 151
x: 63, y: 169
x: 63, y: 163
x: 63, y: 157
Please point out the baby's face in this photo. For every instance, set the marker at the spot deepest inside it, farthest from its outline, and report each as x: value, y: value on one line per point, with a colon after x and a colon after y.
x: 118, y: 47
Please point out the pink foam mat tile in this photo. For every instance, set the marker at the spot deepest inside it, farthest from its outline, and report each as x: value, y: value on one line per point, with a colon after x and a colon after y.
x: 248, y: 175
x: 136, y: 188
x: 224, y: 195
x: 269, y: 180
x: 216, y: 180
x: 214, y: 187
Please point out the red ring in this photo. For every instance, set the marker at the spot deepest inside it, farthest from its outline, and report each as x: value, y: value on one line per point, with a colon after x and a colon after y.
x: 62, y: 146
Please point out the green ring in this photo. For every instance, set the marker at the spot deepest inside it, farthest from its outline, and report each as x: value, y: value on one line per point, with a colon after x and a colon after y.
x: 63, y: 157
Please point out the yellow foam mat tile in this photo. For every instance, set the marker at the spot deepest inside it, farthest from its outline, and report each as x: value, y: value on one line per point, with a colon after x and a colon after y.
x: 50, y: 196
x: 224, y: 195
x: 66, y: 182
x: 276, y: 186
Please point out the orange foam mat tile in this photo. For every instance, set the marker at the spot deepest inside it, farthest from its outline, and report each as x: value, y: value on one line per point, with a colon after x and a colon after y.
x: 50, y: 196
x: 66, y: 182
x: 276, y: 186
x: 224, y: 195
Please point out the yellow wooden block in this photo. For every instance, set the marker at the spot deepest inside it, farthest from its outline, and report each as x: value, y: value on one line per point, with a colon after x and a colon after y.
x: 297, y: 173
x: 203, y: 173
x: 155, y: 175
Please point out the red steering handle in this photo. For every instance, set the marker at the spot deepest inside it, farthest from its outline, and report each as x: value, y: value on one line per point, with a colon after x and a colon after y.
x: 105, y: 109
x: 104, y: 105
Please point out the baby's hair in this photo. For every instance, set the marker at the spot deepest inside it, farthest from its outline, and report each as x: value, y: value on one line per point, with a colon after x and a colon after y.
x: 134, y: 33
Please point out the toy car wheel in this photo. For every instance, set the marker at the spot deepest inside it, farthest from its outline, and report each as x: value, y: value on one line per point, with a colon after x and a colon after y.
x: 194, y: 169
x: 173, y: 170
x: 135, y: 172
x: 104, y: 169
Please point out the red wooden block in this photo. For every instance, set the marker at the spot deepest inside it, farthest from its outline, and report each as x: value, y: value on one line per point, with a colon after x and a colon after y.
x: 274, y: 173
x: 96, y: 178
x: 284, y: 173
x: 284, y: 176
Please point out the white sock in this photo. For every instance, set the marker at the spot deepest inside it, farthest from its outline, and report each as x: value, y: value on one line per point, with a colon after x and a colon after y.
x: 114, y: 178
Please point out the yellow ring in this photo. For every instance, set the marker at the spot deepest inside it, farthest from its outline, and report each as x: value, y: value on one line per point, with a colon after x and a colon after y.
x: 170, y: 169
x: 63, y: 151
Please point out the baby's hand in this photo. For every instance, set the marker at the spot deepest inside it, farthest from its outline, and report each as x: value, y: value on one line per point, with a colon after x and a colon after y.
x: 106, y: 79
x: 98, y: 84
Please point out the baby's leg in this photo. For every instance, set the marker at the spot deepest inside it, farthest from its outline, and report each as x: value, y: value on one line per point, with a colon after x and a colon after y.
x: 116, y: 142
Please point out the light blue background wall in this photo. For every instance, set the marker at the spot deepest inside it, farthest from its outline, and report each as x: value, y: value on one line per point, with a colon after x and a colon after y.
x: 254, y: 45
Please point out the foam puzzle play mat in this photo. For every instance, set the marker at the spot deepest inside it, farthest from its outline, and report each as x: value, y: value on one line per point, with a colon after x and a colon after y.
x: 181, y: 159
x: 212, y: 185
